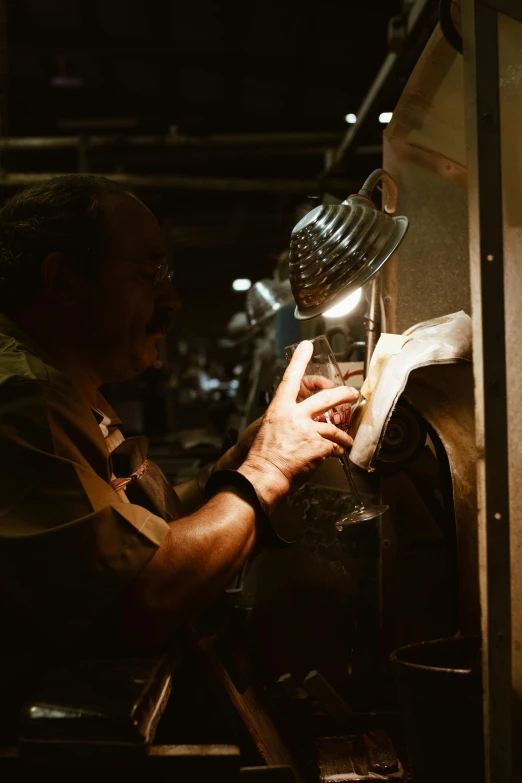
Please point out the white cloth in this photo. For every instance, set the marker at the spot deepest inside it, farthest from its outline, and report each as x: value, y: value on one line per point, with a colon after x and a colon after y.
x: 444, y: 340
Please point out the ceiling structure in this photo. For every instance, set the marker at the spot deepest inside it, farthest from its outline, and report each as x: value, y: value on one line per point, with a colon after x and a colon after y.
x: 221, y: 117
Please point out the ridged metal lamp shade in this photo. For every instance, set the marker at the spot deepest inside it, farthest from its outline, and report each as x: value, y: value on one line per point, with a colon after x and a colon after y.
x: 335, y: 249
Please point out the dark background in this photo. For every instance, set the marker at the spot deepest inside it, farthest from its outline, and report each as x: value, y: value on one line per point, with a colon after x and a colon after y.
x: 121, y: 68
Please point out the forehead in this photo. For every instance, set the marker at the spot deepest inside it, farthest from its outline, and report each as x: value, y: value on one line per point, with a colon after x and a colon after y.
x: 134, y: 231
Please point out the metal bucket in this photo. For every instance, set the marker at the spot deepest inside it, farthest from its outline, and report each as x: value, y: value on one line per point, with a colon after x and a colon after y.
x: 439, y: 686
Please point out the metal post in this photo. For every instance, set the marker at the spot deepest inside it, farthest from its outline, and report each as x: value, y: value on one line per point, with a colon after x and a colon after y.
x: 487, y: 282
x: 371, y: 321
x: 3, y: 72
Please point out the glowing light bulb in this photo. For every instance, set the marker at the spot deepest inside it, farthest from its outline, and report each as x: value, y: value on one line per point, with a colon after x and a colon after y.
x: 385, y: 117
x: 351, y: 119
x: 345, y: 306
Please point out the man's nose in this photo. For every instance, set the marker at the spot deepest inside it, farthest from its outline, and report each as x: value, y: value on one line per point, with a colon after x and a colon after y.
x: 167, y: 297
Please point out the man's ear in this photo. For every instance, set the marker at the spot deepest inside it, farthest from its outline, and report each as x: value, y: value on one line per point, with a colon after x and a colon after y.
x: 58, y: 279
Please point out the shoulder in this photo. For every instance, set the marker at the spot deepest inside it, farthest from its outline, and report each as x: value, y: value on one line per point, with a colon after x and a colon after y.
x: 40, y: 409
x: 21, y: 359
x: 18, y: 363
x: 46, y: 433
x: 28, y: 385
x: 28, y: 377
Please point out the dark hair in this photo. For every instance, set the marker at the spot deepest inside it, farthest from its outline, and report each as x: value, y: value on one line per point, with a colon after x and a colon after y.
x: 61, y: 214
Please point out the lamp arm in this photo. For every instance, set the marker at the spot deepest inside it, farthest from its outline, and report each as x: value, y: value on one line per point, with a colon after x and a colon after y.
x: 391, y: 188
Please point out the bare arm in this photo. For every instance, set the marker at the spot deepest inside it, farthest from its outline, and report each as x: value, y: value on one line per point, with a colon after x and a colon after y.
x: 204, y: 551
x: 190, y: 495
x: 196, y: 562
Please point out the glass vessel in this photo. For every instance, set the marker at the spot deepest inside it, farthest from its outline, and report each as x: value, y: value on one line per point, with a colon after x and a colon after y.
x: 322, y: 372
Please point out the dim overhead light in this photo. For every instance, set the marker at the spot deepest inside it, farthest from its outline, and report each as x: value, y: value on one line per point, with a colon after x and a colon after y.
x: 241, y: 284
x: 385, y: 117
x: 66, y: 81
x: 351, y: 119
x: 345, y: 306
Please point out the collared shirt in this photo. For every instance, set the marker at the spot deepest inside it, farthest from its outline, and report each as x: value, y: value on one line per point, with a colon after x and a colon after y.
x: 69, y: 542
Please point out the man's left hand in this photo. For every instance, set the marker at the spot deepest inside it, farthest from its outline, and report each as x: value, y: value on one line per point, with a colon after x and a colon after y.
x: 236, y: 455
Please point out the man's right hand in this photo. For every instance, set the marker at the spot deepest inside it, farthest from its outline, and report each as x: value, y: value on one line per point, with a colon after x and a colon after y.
x: 290, y: 442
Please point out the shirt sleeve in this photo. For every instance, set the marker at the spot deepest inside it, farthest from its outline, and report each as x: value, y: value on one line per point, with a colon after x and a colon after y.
x: 68, y: 544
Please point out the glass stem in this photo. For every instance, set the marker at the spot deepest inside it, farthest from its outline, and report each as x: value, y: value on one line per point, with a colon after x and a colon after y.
x: 348, y: 473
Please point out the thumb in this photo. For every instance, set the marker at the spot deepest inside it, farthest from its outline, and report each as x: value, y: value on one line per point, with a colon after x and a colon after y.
x: 290, y: 384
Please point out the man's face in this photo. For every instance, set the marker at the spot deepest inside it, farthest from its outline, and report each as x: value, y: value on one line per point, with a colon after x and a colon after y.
x: 125, y: 312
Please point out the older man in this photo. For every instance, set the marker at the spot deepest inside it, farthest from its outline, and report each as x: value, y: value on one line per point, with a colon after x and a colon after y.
x: 95, y: 546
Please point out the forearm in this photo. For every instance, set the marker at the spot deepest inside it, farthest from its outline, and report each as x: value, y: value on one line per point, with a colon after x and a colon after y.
x: 197, y: 561
x: 192, y: 493
x: 190, y: 496
x: 203, y: 552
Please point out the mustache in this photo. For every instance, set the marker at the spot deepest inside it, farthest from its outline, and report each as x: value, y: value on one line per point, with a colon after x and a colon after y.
x: 160, y: 322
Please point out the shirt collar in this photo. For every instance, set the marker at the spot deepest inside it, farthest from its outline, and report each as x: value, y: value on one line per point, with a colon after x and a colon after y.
x: 103, y: 410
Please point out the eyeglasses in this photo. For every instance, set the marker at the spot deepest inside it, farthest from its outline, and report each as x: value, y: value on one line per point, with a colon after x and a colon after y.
x: 164, y: 274
x: 157, y: 274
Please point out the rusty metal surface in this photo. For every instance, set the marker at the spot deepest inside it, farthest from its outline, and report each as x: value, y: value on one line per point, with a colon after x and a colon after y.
x: 367, y: 756
x: 112, y: 700
x: 443, y: 395
x: 428, y: 276
x: 425, y: 152
x: 510, y: 68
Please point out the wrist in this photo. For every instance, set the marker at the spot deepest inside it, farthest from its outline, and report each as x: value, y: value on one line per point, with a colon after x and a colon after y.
x: 270, y: 482
x: 237, y: 482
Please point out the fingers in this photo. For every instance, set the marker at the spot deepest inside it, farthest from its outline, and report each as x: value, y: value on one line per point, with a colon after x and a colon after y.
x: 329, y: 398
x: 334, y: 434
x: 334, y: 450
x: 337, y: 450
x: 317, y: 382
x: 311, y: 384
x: 289, y: 386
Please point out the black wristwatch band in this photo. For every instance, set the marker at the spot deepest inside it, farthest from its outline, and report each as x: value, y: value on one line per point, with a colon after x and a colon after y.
x: 221, y: 479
